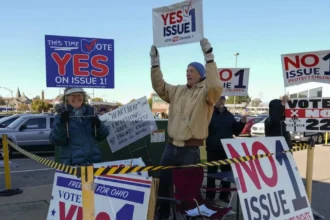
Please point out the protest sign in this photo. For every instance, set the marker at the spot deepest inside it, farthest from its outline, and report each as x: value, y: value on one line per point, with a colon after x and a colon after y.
x: 235, y: 81
x: 115, y: 197
x: 308, y: 114
x: 79, y: 62
x: 122, y: 163
x: 271, y: 187
x: 129, y: 123
x: 180, y: 23
x: 299, y: 68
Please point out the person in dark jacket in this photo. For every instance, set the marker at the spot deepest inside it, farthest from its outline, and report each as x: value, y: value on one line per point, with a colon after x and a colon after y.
x: 275, y: 123
x: 223, y: 125
x: 77, y: 130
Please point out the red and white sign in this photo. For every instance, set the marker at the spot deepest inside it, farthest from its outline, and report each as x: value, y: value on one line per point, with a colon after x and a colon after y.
x: 116, y: 197
x: 311, y: 114
x: 299, y: 68
x: 235, y: 81
x: 271, y: 187
x: 180, y: 23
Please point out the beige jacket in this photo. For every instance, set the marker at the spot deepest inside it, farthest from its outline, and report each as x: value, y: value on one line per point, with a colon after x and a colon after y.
x: 190, y: 110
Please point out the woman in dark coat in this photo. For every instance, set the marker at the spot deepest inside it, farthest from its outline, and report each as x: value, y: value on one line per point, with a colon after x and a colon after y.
x: 76, y: 130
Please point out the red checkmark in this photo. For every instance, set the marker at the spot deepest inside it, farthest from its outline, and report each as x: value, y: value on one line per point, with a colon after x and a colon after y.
x: 89, y: 47
x: 188, y: 7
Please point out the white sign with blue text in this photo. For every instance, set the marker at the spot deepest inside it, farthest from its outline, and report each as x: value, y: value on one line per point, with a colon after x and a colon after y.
x: 235, y: 81
x: 116, y: 197
x: 271, y: 187
x: 180, y: 23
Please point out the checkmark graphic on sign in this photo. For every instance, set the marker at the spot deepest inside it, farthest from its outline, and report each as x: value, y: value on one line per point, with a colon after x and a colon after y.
x: 88, y: 46
x: 186, y: 9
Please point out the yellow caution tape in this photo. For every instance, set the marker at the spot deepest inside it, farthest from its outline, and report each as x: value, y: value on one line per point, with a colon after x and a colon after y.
x: 50, y: 163
x: 129, y: 169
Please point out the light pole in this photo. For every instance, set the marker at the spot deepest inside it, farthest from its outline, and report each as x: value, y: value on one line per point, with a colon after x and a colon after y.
x: 11, y: 91
x: 236, y: 55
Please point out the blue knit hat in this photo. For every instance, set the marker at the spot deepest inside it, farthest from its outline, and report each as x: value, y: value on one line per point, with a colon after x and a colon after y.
x: 199, y: 67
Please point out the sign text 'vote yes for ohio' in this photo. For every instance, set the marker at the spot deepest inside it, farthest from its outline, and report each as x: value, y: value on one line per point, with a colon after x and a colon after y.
x: 180, y: 23
x: 299, y: 68
x: 310, y: 114
x: 235, y: 81
x: 116, y: 197
x: 79, y: 62
x: 270, y: 187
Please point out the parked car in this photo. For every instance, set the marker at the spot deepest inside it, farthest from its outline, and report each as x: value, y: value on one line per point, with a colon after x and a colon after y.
x: 263, y: 116
x: 30, y: 132
x: 258, y: 129
x: 250, y: 121
x: 317, y: 137
x: 5, y: 121
x: 4, y: 115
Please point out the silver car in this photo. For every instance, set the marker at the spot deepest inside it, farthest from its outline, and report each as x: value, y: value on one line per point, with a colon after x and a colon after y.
x: 30, y: 132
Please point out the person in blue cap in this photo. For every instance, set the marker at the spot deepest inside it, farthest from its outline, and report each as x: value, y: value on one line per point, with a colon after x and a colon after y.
x: 190, y: 111
x: 223, y: 125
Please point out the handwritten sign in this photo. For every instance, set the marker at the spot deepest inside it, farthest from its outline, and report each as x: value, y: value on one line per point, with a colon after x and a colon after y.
x: 270, y: 188
x: 115, y: 197
x: 180, y: 23
x: 129, y: 123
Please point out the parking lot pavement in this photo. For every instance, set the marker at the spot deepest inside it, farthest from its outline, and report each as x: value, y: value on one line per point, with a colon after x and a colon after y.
x: 28, y: 173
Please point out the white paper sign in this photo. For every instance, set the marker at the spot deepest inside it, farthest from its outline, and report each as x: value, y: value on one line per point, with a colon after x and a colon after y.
x: 129, y: 123
x: 311, y: 114
x: 157, y: 136
x: 235, y: 81
x: 180, y: 23
x: 271, y: 187
x: 115, y: 197
x: 299, y: 68
x: 129, y: 162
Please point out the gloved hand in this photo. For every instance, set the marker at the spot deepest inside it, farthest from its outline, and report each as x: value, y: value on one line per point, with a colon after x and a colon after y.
x: 154, y: 55
x: 96, y: 121
x: 64, y: 118
x: 207, y: 49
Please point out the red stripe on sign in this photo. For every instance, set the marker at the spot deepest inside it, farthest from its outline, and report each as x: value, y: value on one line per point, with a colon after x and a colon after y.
x: 318, y: 113
x: 129, y: 179
x: 299, y: 113
x: 308, y: 113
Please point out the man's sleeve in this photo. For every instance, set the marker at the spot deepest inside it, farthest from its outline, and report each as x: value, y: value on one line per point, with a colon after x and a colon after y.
x: 163, y: 89
x: 213, y: 83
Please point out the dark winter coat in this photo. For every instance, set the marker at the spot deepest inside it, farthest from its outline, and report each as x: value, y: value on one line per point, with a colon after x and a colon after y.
x: 223, y: 125
x: 81, y: 147
x: 275, y: 123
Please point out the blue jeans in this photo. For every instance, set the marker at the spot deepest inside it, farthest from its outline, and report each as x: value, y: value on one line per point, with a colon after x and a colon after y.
x: 174, y: 156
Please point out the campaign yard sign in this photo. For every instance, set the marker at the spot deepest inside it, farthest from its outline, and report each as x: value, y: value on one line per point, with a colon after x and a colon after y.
x: 129, y: 123
x: 235, y: 81
x: 299, y: 68
x: 79, y: 62
x: 270, y: 187
x: 115, y: 197
x: 308, y: 114
x: 180, y: 23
